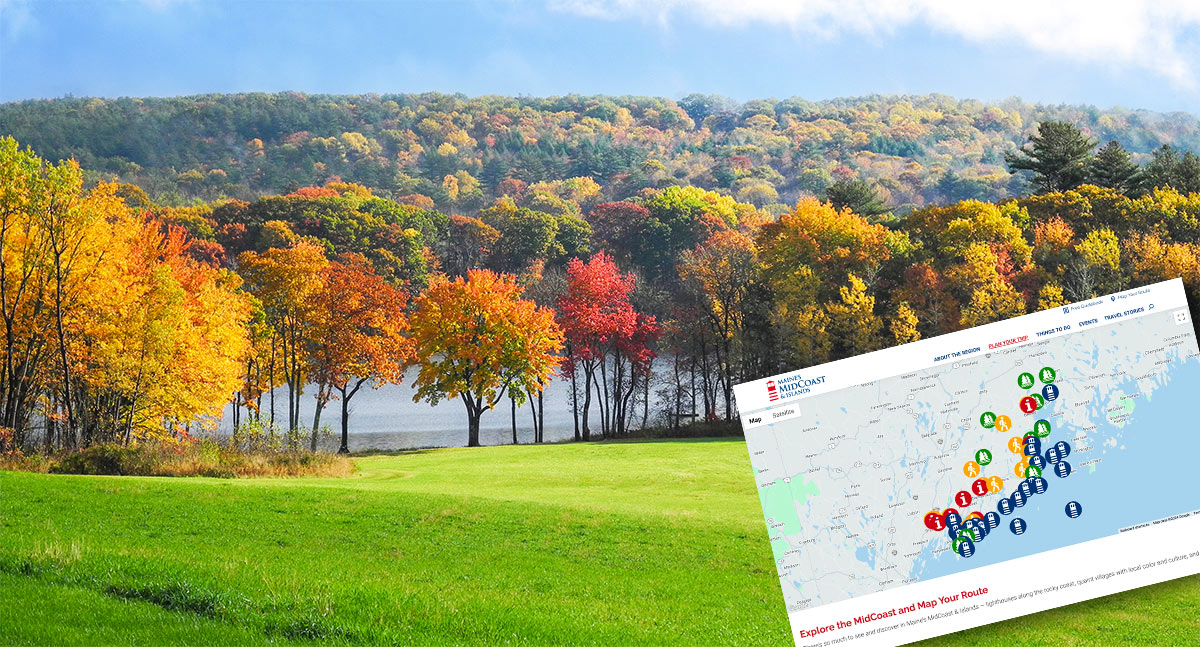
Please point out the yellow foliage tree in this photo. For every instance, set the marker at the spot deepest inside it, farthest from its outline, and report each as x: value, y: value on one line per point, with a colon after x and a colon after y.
x: 904, y: 324
x: 852, y: 319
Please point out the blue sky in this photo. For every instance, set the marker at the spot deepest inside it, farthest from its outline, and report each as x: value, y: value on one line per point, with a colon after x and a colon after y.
x: 1139, y: 56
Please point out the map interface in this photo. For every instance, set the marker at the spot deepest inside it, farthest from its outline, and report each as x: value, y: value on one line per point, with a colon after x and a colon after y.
x: 976, y: 448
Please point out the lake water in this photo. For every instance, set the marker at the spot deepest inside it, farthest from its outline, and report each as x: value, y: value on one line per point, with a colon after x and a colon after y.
x: 387, y: 418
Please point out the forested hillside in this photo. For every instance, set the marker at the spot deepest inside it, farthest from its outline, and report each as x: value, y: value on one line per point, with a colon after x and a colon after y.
x: 492, y: 244
x: 452, y: 152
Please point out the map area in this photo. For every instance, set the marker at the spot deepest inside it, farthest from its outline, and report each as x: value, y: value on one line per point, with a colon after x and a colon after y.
x: 974, y: 461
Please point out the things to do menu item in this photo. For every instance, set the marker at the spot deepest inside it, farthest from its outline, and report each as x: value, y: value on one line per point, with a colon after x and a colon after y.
x: 984, y: 474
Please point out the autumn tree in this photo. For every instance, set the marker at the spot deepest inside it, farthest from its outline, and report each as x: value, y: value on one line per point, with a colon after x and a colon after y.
x: 525, y: 236
x: 162, y: 336
x: 722, y: 272
x: 1095, y: 269
x: 606, y: 337
x: 903, y: 325
x: 852, y: 320
x: 24, y: 282
x: 476, y: 339
x: 113, y: 331
x: 809, y: 255
x: 287, y: 282
x: 679, y: 218
x: 361, y: 337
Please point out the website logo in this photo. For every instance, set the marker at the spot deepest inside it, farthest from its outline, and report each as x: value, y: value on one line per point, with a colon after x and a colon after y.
x: 786, y: 387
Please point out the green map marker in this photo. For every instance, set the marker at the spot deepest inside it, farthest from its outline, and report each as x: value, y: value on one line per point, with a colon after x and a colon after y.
x: 1033, y: 470
x: 1025, y: 380
x: 1041, y: 402
x: 988, y: 420
x: 1047, y: 375
x: 1041, y: 428
x: 983, y: 457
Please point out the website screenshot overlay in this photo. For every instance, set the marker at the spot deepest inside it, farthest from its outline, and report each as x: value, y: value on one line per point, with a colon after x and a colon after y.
x: 983, y: 474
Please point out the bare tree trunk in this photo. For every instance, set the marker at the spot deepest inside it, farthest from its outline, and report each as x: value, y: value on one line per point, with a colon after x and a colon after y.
x: 587, y: 401
x: 533, y: 416
x: 323, y: 393
x: 344, y: 448
x: 474, y: 410
x: 646, y: 394
x: 346, y: 395
x: 271, y: 381
x: 605, y: 414
x: 62, y: 343
x: 237, y: 408
x: 575, y: 401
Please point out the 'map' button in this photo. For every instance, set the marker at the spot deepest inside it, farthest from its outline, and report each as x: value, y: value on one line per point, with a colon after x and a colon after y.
x: 755, y: 420
x: 770, y: 416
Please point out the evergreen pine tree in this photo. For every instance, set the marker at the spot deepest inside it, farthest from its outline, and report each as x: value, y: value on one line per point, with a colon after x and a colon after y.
x: 858, y: 195
x: 1058, y: 157
x: 1170, y: 169
x: 1112, y: 168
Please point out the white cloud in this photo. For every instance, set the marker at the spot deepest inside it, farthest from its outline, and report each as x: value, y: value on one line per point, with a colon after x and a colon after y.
x: 1147, y: 35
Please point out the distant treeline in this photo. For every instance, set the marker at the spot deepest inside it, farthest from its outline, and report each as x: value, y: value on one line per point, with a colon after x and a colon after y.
x: 453, y: 152
x: 125, y: 318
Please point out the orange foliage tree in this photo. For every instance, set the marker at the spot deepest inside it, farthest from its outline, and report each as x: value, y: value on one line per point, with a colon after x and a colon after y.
x: 477, y: 339
x: 362, y: 337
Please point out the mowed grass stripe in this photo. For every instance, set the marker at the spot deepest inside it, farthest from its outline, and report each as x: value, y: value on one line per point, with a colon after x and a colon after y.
x: 33, y: 612
x: 611, y: 543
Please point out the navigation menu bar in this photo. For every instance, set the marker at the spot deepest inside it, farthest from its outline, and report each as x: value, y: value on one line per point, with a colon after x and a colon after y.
x: 964, y: 344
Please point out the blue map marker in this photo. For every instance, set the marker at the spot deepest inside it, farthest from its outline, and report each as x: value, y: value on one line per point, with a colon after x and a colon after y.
x: 1038, y: 461
x: 1073, y: 509
x: 1050, y: 392
x: 976, y: 526
x: 1026, y: 488
x: 1019, y: 498
x: 991, y: 520
x: 1063, y: 448
x: 1005, y: 506
x: 1033, y: 445
x: 1040, y: 485
x: 1017, y: 526
x: 966, y: 548
x: 1062, y: 469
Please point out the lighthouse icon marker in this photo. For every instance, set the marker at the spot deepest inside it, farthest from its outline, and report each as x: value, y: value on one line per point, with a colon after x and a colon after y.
x: 772, y: 392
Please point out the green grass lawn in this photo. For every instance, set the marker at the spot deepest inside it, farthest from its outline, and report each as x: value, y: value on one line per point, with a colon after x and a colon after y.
x: 605, y: 544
